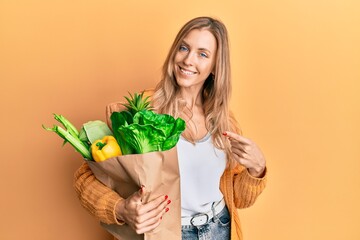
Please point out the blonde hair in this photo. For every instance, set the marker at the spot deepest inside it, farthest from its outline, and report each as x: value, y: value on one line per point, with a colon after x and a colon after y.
x: 217, y: 87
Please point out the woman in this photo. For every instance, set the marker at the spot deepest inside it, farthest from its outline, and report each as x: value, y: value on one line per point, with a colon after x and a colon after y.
x: 220, y: 170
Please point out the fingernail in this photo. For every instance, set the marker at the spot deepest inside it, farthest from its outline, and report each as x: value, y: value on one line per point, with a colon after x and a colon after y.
x: 166, y: 197
x: 224, y: 133
x: 169, y: 201
x: 167, y: 209
x: 142, y: 188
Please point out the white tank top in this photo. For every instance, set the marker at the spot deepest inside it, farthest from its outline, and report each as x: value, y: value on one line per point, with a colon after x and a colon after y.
x: 201, y: 166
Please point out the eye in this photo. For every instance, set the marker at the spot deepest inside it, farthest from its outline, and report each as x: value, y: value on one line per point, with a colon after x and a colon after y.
x: 183, y: 48
x: 203, y: 55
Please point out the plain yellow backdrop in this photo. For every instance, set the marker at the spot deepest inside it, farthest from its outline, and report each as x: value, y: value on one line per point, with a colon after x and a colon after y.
x: 296, y: 82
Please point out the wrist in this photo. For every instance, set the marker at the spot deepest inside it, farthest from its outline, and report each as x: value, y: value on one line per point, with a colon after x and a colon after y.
x: 119, y: 210
x: 257, y: 173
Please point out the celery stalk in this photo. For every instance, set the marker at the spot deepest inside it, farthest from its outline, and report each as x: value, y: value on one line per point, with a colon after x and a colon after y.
x: 73, y: 140
x: 67, y: 124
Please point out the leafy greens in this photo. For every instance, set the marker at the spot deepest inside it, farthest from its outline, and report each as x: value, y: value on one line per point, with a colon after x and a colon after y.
x: 146, y: 131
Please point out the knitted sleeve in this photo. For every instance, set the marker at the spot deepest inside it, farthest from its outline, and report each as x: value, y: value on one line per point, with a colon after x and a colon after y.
x: 95, y: 197
x: 246, y: 187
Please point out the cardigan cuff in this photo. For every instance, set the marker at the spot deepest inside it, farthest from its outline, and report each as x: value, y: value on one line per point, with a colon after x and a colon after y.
x: 111, y: 209
x: 255, y: 181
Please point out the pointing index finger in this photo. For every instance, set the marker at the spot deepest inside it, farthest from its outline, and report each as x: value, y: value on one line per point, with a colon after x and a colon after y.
x: 237, y: 137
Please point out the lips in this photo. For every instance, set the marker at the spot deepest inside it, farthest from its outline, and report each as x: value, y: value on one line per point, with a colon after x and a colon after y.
x: 186, y: 72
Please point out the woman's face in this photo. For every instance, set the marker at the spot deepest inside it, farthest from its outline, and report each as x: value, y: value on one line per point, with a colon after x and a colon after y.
x: 195, y: 59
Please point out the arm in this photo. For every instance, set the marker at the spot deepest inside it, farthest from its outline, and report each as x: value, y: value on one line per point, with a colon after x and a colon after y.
x: 99, y: 200
x: 246, y: 187
x: 106, y: 205
x: 249, y: 175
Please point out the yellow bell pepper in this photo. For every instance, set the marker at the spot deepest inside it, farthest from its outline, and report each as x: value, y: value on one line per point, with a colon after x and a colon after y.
x: 105, y: 148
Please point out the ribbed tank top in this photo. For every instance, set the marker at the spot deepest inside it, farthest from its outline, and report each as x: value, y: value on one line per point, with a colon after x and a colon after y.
x: 201, y: 166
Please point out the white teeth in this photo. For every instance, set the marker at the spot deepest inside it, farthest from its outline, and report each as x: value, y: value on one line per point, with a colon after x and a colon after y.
x: 186, y: 72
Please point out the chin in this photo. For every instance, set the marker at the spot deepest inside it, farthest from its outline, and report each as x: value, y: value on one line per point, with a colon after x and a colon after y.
x: 181, y: 83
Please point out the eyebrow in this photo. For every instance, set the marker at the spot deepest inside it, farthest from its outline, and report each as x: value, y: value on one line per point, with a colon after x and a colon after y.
x: 201, y: 49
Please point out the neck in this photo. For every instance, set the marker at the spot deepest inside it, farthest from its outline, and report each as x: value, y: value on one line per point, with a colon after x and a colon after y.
x: 192, y: 97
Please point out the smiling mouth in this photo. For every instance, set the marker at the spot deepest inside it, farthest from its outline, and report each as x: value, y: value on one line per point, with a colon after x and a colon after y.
x: 186, y: 72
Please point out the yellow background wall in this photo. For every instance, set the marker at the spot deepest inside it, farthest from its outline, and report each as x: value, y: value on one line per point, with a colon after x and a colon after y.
x: 296, y: 82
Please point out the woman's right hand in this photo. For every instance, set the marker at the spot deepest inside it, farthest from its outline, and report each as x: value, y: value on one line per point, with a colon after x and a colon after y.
x: 139, y: 216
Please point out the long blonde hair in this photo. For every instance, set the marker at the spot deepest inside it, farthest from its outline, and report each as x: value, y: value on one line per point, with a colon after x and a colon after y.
x: 217, y: 87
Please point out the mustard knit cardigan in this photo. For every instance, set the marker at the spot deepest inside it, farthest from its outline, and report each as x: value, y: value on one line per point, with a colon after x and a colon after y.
x: 239, y: 188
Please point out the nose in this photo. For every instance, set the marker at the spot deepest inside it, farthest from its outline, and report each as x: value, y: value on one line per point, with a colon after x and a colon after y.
x: 188, y: 59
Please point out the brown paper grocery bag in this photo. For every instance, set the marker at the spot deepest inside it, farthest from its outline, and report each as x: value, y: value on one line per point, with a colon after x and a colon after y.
x: 159, y: 173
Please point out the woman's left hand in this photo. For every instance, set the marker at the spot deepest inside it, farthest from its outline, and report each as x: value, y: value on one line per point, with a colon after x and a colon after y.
x: 247, y: 153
